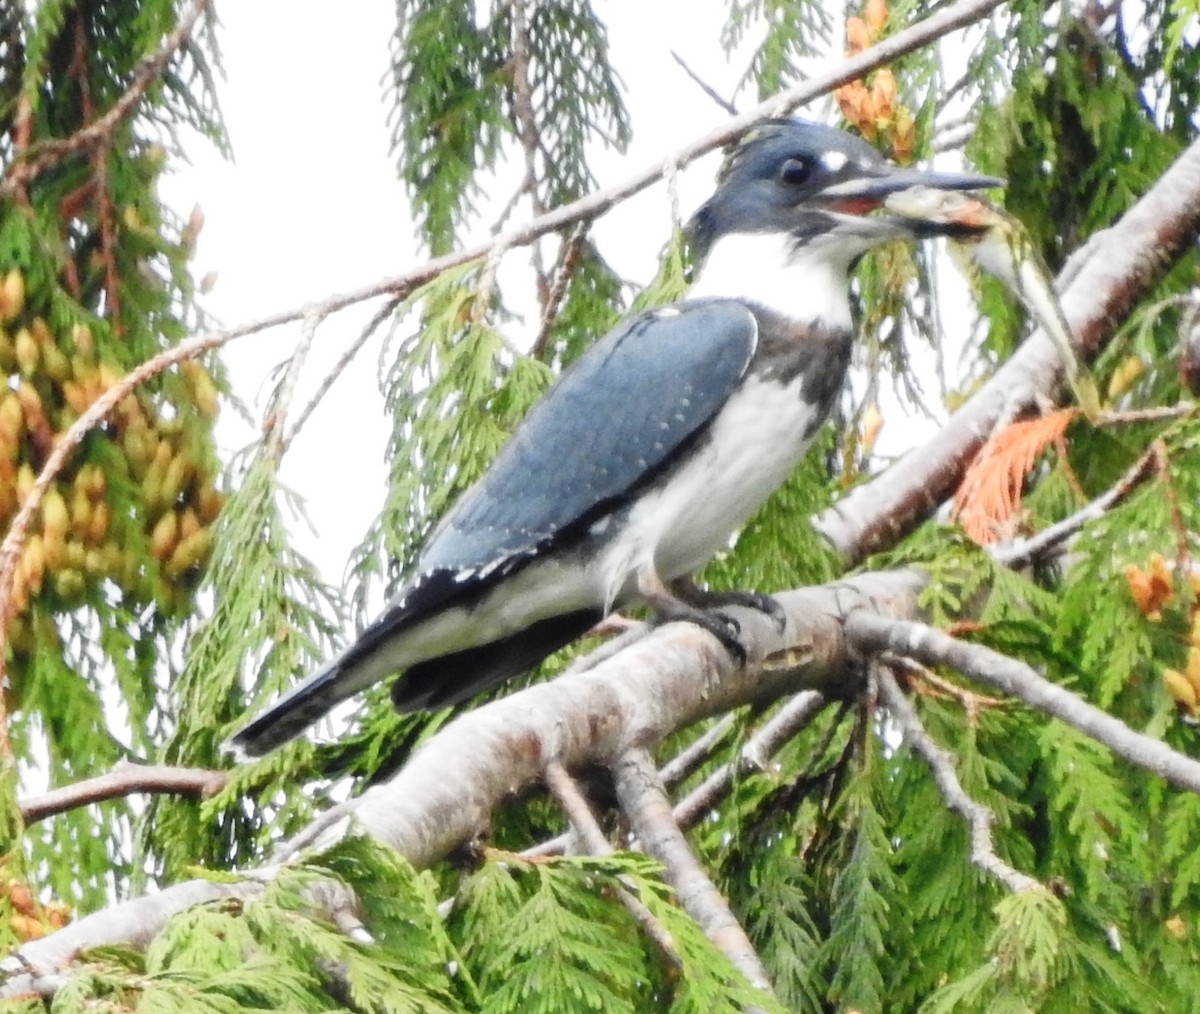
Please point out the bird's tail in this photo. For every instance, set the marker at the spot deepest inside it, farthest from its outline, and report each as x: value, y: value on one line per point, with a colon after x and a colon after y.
x: 294, y: 712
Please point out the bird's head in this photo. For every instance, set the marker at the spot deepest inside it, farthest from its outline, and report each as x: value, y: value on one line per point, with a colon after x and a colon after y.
x: 803, y: 180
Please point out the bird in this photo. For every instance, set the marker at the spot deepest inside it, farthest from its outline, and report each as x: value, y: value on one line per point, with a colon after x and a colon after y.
x: 653, y: 448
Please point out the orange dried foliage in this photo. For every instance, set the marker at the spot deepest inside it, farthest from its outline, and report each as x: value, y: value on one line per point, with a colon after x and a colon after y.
x: 990, y: 493
x: 1152, y: 588
x: 869, y: 105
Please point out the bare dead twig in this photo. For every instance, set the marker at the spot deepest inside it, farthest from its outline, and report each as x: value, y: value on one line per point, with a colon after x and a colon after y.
x: 565, y: 791
x: 1022, y: 552
x: 1155, y: 413
x: 644, y: 801
x: 704, y: 86
x: 692, y: 755
x: 568, y: 259
x: 346, y: 358
x: 756, y: 752
x: 275, y: 424
x: 567, y: 794
x: 979, y: 818
x: 874, y: 634
x: 125, y: 779
x: 34, y: 159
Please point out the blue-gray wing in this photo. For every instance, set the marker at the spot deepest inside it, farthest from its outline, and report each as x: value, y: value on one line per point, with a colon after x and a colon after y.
x: 613, y: 421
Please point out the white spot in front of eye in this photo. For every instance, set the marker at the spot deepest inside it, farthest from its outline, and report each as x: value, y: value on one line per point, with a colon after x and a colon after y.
x: 834, y: 160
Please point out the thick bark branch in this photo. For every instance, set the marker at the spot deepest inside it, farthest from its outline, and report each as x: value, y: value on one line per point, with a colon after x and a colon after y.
x: 125, y: 779
x: 645, y: 803
x: 667, y: 681
x: 1116, y: 268
x: 874, y: 633
x: 36, y: 967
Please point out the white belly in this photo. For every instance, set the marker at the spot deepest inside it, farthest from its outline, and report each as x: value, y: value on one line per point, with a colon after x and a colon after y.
x: 756, y: 441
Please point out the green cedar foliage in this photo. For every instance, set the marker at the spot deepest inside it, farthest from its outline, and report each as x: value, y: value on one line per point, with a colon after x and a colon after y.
x: 105, y: 588
x: 839, y: 855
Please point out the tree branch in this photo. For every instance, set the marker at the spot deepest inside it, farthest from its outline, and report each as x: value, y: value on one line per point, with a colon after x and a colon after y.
x: 979, y: 818
x: 37, y: 966
x: 645, y: 803
x: 281, y: 401
x: 754, y: 755
x: 949, y: 19
x: 125, y: 779
x: 346, y: 358
x: 667, y: 681
x: 1116, y: 267
x: 566, y: 792
x: 32, y: 161
x: 874, y: 633
x: 694, y: 754
x: 1021, y: 552
x: 583, y: 822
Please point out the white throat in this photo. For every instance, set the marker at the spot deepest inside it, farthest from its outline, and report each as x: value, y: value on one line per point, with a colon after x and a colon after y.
x: 808, y: 283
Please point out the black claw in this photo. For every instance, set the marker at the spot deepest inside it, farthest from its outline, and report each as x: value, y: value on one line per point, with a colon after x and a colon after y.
x: 766, y: 604
x: 722, y: 626
x: 726, y: 630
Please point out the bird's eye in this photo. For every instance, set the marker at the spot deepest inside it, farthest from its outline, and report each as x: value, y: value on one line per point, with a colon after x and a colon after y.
x: 795, y: 171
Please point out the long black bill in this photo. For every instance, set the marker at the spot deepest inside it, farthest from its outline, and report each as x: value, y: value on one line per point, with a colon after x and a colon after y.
x: 872, y: 189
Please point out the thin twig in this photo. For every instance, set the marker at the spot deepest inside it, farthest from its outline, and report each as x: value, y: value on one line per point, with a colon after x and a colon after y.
x: 339, y: 367
x: 979, y: 818
x: 1022, y: 552
x: 873, y: 633
x: 705, y: 87
x: 644, y: 801
x: 125, y: 779
x: 276, y: 421
x: 1155, y: 413
x: 567, y: 794
x: 971, y: 701
x: 563, y: 788
x: 30, y: 162
x: 694, y: 754
x: 568, y: 258
x: 758, y: 749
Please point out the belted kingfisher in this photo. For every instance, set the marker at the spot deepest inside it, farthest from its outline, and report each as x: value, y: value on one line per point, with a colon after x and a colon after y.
x: 652, y: 449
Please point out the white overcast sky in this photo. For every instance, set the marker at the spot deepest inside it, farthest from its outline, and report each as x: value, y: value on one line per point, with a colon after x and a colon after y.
x: 311, y: 205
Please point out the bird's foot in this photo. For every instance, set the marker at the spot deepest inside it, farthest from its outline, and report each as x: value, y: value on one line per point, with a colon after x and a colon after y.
x: 706, y: 599
x: 721, y: 625
x: 677, y: 603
